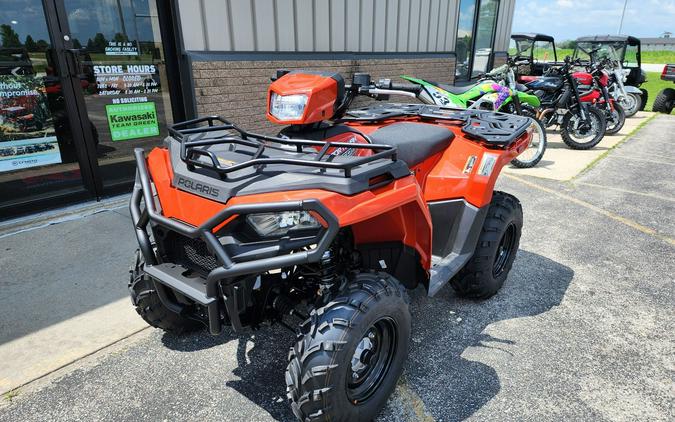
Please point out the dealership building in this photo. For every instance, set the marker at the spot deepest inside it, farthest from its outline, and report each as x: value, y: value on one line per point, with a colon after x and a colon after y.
x: 84, y: 83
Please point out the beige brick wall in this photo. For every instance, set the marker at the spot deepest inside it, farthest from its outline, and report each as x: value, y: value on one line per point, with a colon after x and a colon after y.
x: 237, y: 90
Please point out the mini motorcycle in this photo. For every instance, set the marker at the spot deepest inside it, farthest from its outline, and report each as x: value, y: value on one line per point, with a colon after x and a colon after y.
x: 582, y: 126
x: 323, y: 229
x: 496, y: 91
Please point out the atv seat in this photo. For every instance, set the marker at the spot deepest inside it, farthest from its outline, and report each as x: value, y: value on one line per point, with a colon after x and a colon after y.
x: 415, y: 141
x: 458, y: 90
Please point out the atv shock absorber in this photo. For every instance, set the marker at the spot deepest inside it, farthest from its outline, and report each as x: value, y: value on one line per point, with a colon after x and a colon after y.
x: 328, y: 275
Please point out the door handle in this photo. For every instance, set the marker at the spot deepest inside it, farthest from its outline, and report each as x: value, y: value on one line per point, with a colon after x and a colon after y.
x: 74, y: 64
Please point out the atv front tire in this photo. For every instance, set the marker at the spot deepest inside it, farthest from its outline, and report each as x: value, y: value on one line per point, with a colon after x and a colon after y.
x: 664, y: 102
x: 347, y: 362
x: 148, y: 305
x: 498, y: 242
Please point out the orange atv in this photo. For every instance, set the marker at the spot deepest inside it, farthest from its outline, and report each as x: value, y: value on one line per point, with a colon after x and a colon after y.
x: 329, y: 222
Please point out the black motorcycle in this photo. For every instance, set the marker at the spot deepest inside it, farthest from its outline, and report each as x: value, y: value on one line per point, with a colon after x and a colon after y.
x: 582, y: 126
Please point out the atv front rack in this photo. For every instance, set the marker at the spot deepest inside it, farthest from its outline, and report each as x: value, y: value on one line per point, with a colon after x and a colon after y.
x: 495, y: 129
x: 192, y: 137
x: 209, y: 293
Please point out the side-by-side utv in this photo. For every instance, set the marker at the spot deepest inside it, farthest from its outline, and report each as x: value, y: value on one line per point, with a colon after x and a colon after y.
x: 626, y: 50
x: 536, y: 51
x: 331, y: 222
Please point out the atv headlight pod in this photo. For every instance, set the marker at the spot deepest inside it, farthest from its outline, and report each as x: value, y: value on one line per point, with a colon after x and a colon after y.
x: 287, y: 107
x: 278, y: 224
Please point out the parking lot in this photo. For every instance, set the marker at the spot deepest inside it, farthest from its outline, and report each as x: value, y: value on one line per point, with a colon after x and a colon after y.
x: 582, y: 330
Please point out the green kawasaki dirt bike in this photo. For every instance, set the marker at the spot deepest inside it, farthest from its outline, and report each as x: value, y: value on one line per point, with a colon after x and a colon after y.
x: 497, y: 91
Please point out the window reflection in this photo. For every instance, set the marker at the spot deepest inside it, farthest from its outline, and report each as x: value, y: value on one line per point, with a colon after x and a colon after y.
x: 463, y: 46
x: 487, y: 20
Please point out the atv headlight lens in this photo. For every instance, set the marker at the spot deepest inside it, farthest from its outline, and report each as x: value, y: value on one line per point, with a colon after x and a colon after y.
x: 278, y: 224
x: 287, y: 107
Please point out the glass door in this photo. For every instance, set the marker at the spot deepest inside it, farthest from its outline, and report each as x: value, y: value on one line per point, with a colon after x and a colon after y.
x: 124, y: 84
x: 43, y: 156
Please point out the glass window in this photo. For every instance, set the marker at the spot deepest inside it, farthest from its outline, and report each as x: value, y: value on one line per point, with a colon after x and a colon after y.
x: 630, y: 57
x: 543, y: 52
x: 464, y: 43
x: 487, y: 21
x: 38, y: 156
x: 124, y: 80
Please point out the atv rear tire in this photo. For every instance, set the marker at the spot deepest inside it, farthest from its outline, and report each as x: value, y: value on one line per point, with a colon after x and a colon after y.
x: 148, y: 305
x: 347, y: 363
x: 664, y: 102
x: 497, y: 246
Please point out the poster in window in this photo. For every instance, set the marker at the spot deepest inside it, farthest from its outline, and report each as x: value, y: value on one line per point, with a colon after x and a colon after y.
x: 27, y: 137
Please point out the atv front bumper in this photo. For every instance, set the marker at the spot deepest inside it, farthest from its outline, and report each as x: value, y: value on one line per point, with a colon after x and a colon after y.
x: 219, y: 288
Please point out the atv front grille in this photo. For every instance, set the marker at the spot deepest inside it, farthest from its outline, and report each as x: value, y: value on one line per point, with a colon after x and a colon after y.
x: 193, y: 254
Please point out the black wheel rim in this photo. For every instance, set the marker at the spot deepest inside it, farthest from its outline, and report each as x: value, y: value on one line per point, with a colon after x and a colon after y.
x: 504, y: 250
x: 371, y: 360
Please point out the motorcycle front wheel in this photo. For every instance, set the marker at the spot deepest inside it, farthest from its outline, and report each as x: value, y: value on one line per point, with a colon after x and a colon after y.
x: 535, y: 151
x: 631, y: 104
x: 578, y: 133
x: 615, y: 119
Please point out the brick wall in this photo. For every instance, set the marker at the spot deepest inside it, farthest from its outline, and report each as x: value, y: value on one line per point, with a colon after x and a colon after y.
x: 237, y: 90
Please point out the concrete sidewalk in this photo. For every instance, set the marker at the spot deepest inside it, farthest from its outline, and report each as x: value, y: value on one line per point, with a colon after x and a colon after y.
x: 560, y: 162
x: 64, y: 293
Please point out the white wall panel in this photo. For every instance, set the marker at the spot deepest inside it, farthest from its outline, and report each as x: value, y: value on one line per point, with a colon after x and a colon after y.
x: 192, y: 26
x: 328, y: 25
x: 243, y: 32
x: 285, y: 19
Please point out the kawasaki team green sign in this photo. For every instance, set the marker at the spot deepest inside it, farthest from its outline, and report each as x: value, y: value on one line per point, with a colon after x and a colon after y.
x: 131, y: 121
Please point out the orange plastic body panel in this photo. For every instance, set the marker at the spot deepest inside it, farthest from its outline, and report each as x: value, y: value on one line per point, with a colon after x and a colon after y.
x: 400, y: 203
x: 446, y: 176
x: 397, y: 211
x: 321, y: 92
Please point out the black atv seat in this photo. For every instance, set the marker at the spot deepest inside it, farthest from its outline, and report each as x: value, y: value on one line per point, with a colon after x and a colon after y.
x: 457, y: 89
x: 415, y: 141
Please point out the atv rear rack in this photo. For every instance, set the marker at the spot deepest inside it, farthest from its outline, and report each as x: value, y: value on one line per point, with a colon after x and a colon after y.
x: 209, y: 293
x: 495, y: 129
x: 190, y: 152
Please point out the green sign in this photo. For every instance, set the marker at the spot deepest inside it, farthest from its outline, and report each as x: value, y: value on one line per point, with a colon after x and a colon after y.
x: 131, y: 121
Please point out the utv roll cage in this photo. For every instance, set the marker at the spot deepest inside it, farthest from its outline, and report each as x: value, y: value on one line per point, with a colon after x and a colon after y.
x: 525, y: 42
x: 620, y: 44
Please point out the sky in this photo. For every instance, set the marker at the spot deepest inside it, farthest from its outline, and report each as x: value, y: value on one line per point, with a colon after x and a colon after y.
x: 569, y: 19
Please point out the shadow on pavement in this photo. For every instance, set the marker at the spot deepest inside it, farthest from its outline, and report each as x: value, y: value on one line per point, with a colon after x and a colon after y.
x: 449, y: 386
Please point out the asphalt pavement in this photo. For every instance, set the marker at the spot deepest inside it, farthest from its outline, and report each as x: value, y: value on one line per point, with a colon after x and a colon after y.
x: 582, y: 330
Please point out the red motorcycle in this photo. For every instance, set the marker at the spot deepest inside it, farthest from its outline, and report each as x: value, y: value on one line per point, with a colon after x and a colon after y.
x: 592, y: 87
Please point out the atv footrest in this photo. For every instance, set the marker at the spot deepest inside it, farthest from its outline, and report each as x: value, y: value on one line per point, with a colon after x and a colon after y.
x: 444, y: 269
x: 172, y: 276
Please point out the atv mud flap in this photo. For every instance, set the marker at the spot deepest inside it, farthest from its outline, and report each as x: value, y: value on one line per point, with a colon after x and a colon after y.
x: 455, y: 243
x: 217, y: 285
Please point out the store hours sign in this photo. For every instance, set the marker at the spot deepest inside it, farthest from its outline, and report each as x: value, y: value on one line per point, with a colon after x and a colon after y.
x: 132, y: 121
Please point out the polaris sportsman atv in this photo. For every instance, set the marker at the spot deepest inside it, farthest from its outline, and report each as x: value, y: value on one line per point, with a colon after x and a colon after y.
x: 329, y: 223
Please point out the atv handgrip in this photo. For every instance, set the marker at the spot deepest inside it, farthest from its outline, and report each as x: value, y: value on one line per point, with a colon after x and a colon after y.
x: 228, y: 269
x: 414, y: 88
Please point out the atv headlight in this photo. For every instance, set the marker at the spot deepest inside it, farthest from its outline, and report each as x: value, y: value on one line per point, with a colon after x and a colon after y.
x: 278, y: 224
x: 287, y: 107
